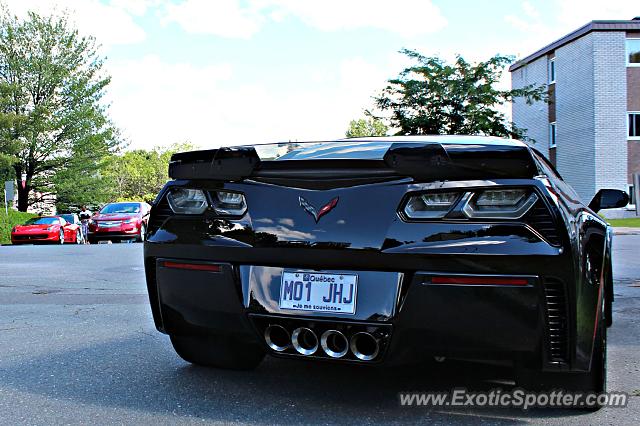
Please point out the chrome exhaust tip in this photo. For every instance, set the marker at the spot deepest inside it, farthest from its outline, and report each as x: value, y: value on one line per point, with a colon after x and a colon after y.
x: 364, y: 346
x: 334, y: 343
x: 277, y: 337
x: 304, y: 341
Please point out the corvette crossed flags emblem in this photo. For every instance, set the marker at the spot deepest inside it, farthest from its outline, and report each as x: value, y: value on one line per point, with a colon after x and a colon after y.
x: 317, y: 214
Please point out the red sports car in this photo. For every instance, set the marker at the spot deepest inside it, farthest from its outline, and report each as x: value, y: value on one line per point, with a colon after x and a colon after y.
x: 120, y: 221
x: 46, y: 229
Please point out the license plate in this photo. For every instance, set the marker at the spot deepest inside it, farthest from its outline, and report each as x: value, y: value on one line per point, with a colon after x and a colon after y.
x: 319, y: 292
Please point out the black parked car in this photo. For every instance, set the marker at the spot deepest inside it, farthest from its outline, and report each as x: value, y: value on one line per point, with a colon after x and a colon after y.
x: 383, y: 250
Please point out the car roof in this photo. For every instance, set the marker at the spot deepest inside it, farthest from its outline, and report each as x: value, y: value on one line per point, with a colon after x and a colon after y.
x: 444, y: 139
x: 375, y: 148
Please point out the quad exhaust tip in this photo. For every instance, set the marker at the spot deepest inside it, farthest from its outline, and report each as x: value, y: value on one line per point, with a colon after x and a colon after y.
x: 334, y: 343
x: 304, y: 341
x: 364, y: 346
x: 277, y: 337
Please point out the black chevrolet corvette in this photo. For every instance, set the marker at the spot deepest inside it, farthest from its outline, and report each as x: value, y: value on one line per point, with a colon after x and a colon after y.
x: 383, y: 250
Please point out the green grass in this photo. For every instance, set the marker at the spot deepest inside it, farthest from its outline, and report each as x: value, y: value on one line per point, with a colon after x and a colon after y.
x: 6, y: 223
x: 632, y: 222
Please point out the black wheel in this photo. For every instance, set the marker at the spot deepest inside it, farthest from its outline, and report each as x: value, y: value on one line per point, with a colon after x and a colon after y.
x: 593, y: 381
x: 217, y: 351
x: 61, y: 237
x: 78, y: 237
x: 143, y: 232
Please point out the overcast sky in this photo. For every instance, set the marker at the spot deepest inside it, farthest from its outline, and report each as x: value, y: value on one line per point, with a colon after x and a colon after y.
x: 220, y: 72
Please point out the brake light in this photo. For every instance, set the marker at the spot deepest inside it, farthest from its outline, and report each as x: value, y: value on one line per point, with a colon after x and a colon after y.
x: 499, y: 204
x: 229, y: 203
x: 187, y: 201
x: 503, y: 203
x: 430, y: 205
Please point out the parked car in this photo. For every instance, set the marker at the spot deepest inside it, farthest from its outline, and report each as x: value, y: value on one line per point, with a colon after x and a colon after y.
x: 46, y: 229
x: 120, y: 221
x: 383, y: 250
x: 72, y: 218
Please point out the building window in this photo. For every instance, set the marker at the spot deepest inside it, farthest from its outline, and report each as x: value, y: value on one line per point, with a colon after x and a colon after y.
x: 634, y: 125
x: 552, y: 70
x: 552, y: 135
x: 632, y: 191
x: 633, y: 52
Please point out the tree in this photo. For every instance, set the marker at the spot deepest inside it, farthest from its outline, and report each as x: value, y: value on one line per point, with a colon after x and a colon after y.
x: 79, y: 184
x: 140, y: 174
x: 364, y: 127
x: 433, y: 97
x: 52, y: 119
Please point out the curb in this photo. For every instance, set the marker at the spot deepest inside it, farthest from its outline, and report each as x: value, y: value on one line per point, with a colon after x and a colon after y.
x: 626, y: 231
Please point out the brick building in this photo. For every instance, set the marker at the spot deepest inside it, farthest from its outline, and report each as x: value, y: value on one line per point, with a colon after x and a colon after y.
x: 590, y: 128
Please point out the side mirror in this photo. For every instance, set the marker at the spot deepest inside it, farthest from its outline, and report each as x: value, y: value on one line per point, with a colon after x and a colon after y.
x: 609, y: 199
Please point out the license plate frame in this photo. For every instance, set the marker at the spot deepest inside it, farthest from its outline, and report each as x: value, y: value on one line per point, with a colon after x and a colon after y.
x: 314, y: 287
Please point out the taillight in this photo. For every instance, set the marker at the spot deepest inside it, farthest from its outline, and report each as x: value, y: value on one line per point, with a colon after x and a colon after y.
x: 187, y: 201
x: 430, y: 205
x: 499, y: 204
x: 508, y: 203
x: 229, y: 203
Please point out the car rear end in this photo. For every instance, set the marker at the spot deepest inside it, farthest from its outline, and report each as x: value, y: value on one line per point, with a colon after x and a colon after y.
x: 365, y: 252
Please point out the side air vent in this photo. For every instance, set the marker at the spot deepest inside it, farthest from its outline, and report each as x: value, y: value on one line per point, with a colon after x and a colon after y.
x: 556, y: 313
x: 159, y: 213
x: 541, y: 220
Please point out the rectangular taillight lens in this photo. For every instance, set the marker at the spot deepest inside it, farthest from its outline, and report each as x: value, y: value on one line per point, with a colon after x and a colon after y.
x: 207, y: 267
x: 479, y: 280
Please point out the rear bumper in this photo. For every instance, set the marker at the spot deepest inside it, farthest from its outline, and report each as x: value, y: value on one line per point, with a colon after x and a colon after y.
x: 423, y: 319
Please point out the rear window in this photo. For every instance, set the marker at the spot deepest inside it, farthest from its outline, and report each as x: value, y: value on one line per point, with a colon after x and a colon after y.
x: 346, y: 150
x: 43, y: 221
x: 121, y: 208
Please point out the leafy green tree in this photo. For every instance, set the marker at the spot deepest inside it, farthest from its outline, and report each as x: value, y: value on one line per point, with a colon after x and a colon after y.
x: 140, y: 174
x: 364, y: 127
x: 75, y: 186
x: 433, y: 97
x: 53, y: 122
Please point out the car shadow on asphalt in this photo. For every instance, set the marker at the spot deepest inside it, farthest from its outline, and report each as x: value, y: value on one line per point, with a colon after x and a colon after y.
x: 142, y: 373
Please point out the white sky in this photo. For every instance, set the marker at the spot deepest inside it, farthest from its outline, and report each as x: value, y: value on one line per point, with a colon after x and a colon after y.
x: 255, y: 71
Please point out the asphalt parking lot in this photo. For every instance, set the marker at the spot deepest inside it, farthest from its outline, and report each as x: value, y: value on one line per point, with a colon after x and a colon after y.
x: 78, y: 346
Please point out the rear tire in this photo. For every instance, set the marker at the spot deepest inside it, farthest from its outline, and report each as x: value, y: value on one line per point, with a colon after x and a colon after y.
x: 217, y: 351
x: 61, y: 237
x: 78, y: 237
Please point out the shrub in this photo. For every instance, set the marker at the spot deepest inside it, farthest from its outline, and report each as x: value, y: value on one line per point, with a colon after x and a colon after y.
x: 7, y: 222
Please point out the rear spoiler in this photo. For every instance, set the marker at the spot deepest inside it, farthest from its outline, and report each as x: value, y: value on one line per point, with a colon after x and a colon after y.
x: 229, y: 164
x: 421, y: 161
